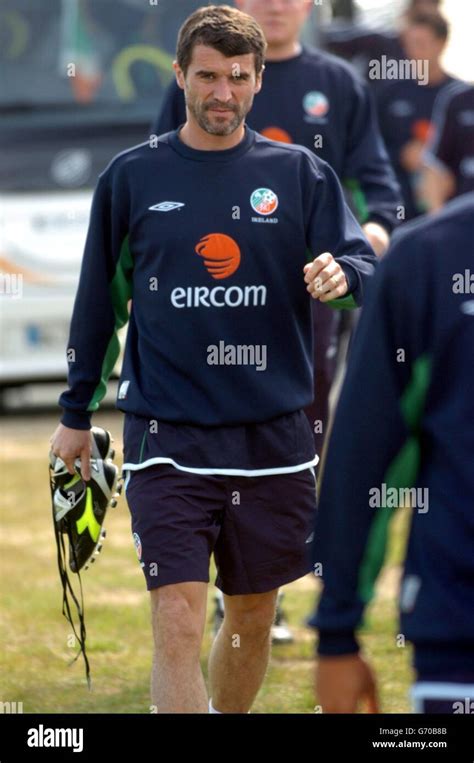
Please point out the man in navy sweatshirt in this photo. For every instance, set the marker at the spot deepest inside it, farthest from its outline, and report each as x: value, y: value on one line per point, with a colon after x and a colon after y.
x: 316, y: 100
x: 403, y: 435
x: 405, y: 106
x: 220, y: 237
x: 364, y: 45
x: 449, y: 159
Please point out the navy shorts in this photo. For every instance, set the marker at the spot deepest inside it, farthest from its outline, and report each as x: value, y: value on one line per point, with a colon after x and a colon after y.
x: 258, y: 528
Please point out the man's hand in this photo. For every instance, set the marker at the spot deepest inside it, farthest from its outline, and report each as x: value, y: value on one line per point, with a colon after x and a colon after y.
x: 70, y: 444
x: 325, y: 278
x: 342, y: 682
x: 437, y: 185
x: 377, y: 237
x: 411, y: 155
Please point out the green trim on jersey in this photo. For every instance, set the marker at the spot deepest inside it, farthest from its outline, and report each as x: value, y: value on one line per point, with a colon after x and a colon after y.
x: 342, y: 303
x: 401, y: 473
x: 359, y: 199
x: 120, y: 293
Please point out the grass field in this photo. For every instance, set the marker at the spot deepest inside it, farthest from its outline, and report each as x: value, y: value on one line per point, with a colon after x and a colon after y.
x: 35, y: 637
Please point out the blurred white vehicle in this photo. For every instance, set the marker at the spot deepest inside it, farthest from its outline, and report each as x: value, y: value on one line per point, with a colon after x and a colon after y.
x: 42, y: 237
x: 80, y: 81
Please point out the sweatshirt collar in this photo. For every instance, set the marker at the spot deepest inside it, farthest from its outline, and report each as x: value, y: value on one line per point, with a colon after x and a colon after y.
x: 226, y: 155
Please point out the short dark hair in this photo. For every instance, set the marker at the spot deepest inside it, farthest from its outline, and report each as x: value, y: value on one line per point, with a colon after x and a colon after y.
x: 228, y: 30
x: 434, y: 21
x: 434, y: 3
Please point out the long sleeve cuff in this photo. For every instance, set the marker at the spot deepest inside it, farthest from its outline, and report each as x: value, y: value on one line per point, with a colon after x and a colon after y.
x: 335, y: 643
x: 76, y: 419
x: 351, y: 278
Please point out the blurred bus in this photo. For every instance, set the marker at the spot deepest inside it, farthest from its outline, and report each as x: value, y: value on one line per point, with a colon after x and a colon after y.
x: 80, y: 80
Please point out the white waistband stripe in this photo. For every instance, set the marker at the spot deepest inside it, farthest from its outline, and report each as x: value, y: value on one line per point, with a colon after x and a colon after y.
x: 228, y: 472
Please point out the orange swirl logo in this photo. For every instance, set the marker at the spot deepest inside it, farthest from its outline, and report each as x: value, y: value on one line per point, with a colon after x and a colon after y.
x: 221, y: 255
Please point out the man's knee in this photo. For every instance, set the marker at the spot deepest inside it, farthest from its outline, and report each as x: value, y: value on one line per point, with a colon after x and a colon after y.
x: 178, y: 617
x: 251, y: 615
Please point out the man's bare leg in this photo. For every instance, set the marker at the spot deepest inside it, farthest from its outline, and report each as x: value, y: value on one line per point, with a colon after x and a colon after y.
x: 178, y: 618
x: 240, y: 653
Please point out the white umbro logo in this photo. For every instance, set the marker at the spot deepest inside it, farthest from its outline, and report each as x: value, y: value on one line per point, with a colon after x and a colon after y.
x: 468, y: 307
x: 166, y: 206
x: 123, y: 389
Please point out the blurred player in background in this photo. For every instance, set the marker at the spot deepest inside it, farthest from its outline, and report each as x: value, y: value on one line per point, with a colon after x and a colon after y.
x: 361, y: 45
x: 449, y: 159
x: 313, y: 99
x: 407, y: 403
x: 405, y: 106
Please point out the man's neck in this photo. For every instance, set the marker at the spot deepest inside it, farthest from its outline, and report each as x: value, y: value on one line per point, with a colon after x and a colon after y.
x: 195, y: 137
x: 282, y: 52
x: 436, y: 74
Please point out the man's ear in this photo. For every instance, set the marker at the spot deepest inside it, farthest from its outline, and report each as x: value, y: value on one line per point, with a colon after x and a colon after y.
x: 259, y: 81
x: 179, y: 74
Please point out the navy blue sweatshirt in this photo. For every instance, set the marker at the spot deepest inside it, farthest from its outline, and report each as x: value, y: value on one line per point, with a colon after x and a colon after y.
x: 210, y: 246
x: 317, y: 101
x: 405, y: 420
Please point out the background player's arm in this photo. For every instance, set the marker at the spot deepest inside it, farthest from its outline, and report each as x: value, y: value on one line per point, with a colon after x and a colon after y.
x: 438, y: 184
x: 378, y: 237
x: 368, y: 173
x: 371, y: 427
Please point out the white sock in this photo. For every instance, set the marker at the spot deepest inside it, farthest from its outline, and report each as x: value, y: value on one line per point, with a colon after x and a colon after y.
x: 212, y: 709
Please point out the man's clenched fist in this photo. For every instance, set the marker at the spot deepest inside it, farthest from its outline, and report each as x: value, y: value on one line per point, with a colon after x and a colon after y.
x: 325, y: 278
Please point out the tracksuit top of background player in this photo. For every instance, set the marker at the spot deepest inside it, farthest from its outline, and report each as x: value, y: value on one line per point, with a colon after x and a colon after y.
x: 317, y: 100
x: 406, y: 418
x: 453, y: 141
x: 405, y: 110
x: 210, y: 246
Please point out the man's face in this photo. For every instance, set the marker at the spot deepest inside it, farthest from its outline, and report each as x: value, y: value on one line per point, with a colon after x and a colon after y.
x: 281, y: 20
x: 219, y: 91
x: 421, y: 43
